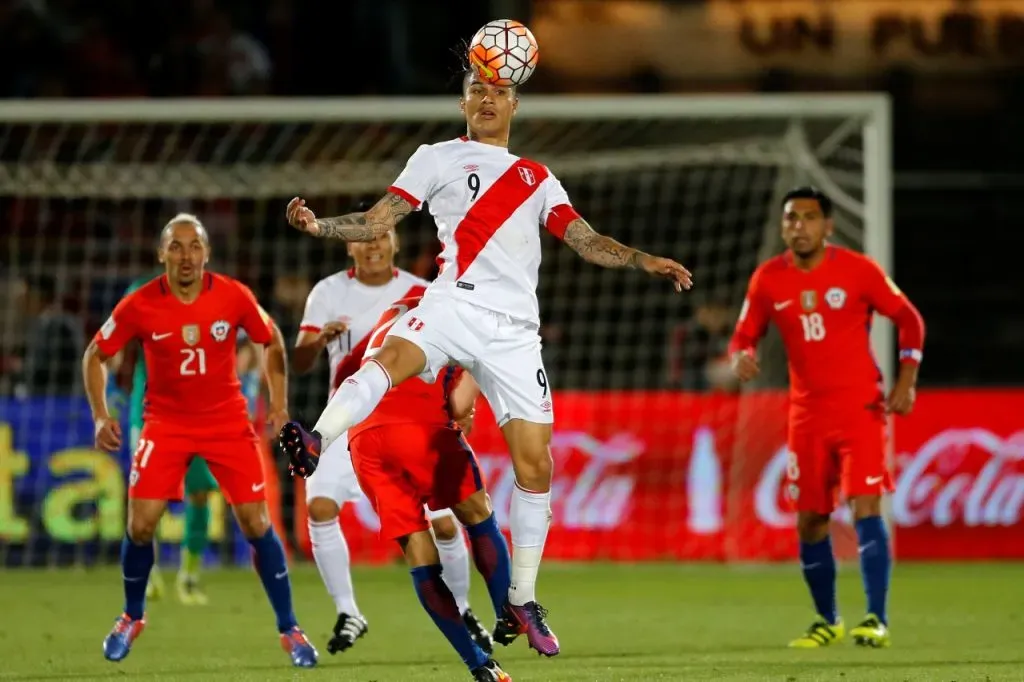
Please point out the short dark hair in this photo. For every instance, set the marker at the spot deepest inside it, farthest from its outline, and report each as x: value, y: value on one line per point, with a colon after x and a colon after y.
x: 810, y: 192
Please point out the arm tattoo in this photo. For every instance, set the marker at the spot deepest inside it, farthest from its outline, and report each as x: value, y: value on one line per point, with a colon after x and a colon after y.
x: 598, y: 249
x: 364, y: 227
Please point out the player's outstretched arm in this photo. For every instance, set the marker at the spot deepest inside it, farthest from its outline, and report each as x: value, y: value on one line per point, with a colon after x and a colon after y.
x: 352, y: 227
x: 604, y: 251
x: 94, y: 373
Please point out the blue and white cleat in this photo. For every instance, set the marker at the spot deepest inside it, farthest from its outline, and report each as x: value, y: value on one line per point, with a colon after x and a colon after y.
x: 299, y: 648
x: 118, y: 644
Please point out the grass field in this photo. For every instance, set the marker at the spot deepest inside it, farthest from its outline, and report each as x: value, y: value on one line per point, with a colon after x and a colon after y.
x: 951, y: 622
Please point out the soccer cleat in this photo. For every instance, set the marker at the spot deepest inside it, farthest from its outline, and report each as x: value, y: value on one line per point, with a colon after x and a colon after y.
x: 302, y: 448
x: 821, y: 633
x: 346, y: 631
x: 871, y: 632
x: 155, y: 586
x: 299, y: 648
x: 118, y: 644
x: 490, y: 672
x: 189, y: 592
x: 479, y: 633
x: 530, y: 618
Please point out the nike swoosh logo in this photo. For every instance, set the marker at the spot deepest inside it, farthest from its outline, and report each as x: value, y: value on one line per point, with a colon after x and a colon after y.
x: 283, y: 574
x: 874, y: 480
x: 783, y: 305
x: 157, y: 337
x: 256, y: 487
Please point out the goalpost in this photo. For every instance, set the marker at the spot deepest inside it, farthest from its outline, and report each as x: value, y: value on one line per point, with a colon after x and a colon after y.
x: 85, y: 186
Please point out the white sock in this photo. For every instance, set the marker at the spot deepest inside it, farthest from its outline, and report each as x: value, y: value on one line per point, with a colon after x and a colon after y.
x: 455, y: 568
x: 352, y: 402
x: 330, y: 551
x: 529, y: 518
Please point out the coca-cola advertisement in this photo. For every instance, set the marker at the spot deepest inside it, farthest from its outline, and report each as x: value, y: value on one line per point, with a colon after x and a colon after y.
x: 665, y: 475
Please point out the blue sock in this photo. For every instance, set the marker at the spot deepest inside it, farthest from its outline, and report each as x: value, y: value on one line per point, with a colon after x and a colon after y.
x: 819, y: 566
x: 136, y: 563
x: 272, y: 567
x: 490, y: 554
x: 439, y: 603
x: 875, y: 564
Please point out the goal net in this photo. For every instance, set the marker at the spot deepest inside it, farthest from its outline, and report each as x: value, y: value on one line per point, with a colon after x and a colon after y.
x: 658, y: 454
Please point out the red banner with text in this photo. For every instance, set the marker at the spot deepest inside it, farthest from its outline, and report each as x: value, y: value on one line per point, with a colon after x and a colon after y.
x: 667, y: 475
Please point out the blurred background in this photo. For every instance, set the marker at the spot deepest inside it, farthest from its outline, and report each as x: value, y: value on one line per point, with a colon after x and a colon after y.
x: 83, y: 193
x: 675, y: 126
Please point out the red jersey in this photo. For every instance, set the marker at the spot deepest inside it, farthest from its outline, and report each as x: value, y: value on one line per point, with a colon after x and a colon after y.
x: 190, y: 351
x: 824, y: 316
x: 413, y: 401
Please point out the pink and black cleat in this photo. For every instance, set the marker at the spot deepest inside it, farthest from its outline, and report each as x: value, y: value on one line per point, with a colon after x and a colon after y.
x: 302, y: 448
x: 528, y: 619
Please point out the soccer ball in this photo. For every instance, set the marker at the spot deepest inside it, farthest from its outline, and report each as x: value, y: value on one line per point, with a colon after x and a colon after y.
x: 504, y: 52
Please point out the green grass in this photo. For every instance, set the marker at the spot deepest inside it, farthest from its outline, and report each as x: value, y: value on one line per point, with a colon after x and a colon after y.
x: 951, y: 622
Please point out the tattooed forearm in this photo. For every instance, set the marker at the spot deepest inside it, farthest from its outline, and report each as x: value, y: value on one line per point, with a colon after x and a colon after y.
x: 364, y: 227
x: 598, y: 249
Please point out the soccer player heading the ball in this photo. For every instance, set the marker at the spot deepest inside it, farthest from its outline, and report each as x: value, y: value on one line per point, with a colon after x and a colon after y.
x: 188, y: 321
x: 822, y: 299
x: 481, y: 312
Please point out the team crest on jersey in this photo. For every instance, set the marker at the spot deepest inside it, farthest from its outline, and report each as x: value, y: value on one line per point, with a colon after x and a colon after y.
x: 527, y: 175
x: 809, y: 300
x: 190, y: 333
x: 219, y: 330
x: 835, y: 297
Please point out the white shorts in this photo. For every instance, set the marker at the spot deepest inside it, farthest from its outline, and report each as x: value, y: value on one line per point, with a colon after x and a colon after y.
x: 502, y: 354
x: 334, y: 477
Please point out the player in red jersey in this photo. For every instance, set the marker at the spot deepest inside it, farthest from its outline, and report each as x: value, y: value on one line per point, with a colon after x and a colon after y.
x: 187, y: 321
x: 411, y: 452
x: 822, y: 299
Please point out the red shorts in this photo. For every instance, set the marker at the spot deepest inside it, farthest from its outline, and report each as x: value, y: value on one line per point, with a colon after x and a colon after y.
x: 833, y: 452
x: 402, y: 467
x: 162, y: 457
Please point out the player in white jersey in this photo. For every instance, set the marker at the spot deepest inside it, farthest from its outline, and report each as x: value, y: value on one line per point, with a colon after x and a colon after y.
x: 480, y: 313
x: 341, y: 312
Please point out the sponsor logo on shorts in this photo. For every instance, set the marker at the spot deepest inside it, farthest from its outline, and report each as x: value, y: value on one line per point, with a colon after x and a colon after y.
x: 256, y: 487
x: 546, y: 406
x: 220, y: 330
x: 133, y: 478
x: 465, y: 285
x: 874, y: 480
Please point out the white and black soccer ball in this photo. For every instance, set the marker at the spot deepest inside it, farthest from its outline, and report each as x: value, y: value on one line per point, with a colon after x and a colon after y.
x: 504, y: 52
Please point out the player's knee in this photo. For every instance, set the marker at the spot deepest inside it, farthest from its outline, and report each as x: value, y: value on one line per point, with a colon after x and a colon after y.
x: 323, y: 509
x: 812, y: 527
x: 533, y: 467
x: 419, y: 549
x: 444, y: 528
x: 474, y: 509
x: 401, y: 359
x: 866, y: 506
x: 141, y: 530
x: 253, y: 519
